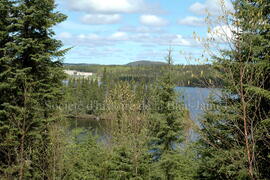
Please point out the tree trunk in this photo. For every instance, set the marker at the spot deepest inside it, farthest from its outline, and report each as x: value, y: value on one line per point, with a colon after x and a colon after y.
x: 245, y: 119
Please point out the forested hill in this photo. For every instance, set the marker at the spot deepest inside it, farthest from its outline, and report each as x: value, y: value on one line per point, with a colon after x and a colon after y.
x: 145, y: 63
x: 134, y: 63
x: 184, y: 75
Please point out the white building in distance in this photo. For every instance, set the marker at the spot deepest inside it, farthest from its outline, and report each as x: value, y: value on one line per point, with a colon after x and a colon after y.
x: 78, y: 73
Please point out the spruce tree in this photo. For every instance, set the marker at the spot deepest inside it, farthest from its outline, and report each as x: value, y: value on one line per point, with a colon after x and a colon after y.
x: 86, y: 158
x: 167, y: 124
x: 31, y: 86
x: 235, y: 136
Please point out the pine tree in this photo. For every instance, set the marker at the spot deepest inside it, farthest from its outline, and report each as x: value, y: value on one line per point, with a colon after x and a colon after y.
x: 31, y: 86
x: 235, y: 136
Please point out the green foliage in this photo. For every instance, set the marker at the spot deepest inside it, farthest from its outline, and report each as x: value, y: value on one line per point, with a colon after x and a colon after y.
x: 128, y: 126
x: 181, y: 165
x: 235, y: 136
x: 31, y: 84
x: 167, y: 129
x: 84, y: 96
x: 145, y: 122
x: 167, y: 119
x: 136, y: 114
x: 184, y: 75
x: 126, y: 154
x: 130, y: 163
x: 221, y: 148
x: 85, y: 158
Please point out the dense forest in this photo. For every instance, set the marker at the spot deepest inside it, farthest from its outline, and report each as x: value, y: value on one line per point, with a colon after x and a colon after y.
x: 184, y: 75
x: 146, y: 123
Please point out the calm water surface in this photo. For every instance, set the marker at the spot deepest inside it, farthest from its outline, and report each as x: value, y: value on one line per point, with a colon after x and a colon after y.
x: 195, y: 100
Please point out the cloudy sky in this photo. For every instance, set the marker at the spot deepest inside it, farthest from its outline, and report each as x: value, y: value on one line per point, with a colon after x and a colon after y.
x: 121, y: 31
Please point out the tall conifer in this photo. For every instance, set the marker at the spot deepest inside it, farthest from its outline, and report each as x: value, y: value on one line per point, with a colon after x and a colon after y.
x: 235, y: 137
x: 31, y: 84
x: 167, y: 124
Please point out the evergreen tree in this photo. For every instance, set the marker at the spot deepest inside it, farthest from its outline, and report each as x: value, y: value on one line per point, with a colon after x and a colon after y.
x: 131, y: 160
x: 86, y: 158
x: 105, y: 81
x: 31, y: 84
x: 235, y: 136
x: 167, y: 127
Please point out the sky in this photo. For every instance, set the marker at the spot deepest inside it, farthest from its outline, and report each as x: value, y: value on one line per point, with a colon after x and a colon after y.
x: 122, y: 31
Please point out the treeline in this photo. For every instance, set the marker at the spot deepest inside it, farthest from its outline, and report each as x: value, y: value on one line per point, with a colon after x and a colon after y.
x: 83, y: 96
x: 184, y: 75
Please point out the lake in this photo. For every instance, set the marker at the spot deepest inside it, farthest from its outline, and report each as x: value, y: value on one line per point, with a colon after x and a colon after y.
x: 194, y: 98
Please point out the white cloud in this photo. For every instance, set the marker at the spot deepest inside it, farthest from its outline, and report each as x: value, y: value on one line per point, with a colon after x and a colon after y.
x: 81, y: 36
x: 192, y: 21
x: 96, y: 19
x: 163, y: 40
x: 94, y: 54
x: 143, y: 39
x: 93, y: 37
x: 142, y: 29
x: 73, y: 26
x: 222, y: 34
x: 65, y: 35
x: 179, y: 40
x: 198, y: 8
x: 152, y: 20
x: 119, y: 36
x: 212, y: 6
x: 89, y: 40
x: 108, y: 6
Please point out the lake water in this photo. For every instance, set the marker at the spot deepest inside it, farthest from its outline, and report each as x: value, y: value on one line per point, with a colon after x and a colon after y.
x: 195, y: 100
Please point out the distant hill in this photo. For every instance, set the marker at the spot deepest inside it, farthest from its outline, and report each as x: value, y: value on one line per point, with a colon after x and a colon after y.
x: 135, y: 63
x: 145, y: 63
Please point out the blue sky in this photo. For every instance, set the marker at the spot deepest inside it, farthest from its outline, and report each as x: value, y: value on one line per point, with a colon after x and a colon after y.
x: 121, y: 31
